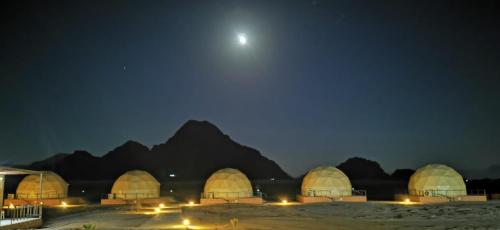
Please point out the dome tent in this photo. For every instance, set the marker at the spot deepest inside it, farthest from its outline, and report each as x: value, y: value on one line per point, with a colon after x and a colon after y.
x: 53, y: 187
x: 326, y: 181
x: 437, y: 180
x: 136, y: 184
x: 228, y: 183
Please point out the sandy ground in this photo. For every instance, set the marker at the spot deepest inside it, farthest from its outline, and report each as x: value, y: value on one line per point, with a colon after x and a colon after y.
x: 370, y: 215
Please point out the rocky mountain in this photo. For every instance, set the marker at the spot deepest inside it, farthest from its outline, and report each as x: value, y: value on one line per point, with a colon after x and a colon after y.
x: 492, y: 171
x: 196, y: 150
x: 402, y: 174
x: 358, y: 168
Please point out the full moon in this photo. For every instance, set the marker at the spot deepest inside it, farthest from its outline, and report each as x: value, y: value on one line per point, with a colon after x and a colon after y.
x: 242, y: 39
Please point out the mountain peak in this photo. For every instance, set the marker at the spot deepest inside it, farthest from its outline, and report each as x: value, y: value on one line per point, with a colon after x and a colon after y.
x: 132, y: 144
x: 194, y: 129
x: 360, y: 168
x: 127, y: 149
x: 196, y: 150
x: 81, y: 153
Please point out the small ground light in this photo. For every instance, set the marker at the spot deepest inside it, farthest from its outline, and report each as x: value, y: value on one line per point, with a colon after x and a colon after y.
x: 11, y: 206
x: 285, y: 201
x: 157, y: 210
x: 161, y: 205
x: 64, y: 204
x: 186, y: 222
x: 407, y: 200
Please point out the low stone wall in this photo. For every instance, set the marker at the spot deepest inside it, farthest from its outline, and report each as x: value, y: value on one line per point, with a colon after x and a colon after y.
x: 322, y: 199
x: 313, y: 199
x: 470, y: 198
x: 352, y: 199
x: 31, y: 224
x: 147, y: 201
x: 46, y: 202
x: 440, y: 199
x: 248, y: 200
x: 428, y: 199
x: 213, y: 201
x: 113, y: 202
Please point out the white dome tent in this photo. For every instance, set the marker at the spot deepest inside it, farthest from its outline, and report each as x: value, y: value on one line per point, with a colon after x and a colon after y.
x: 53, y: 187
x: 439, y: 183
x: 228, y: 185
x: 327, y: 184
x: 326, y: 181
x: 436, y: 180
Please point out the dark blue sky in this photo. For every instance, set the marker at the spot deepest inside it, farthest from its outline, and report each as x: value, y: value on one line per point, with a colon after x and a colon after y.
x: 404, y: 83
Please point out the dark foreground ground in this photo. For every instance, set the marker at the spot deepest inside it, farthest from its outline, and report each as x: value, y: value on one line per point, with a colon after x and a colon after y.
x: 370, y: 215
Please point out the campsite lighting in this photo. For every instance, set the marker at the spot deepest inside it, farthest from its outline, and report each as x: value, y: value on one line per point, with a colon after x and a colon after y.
x: 157, y: 210
x: 186, y: 222
x: 161, y: 205
x: 406, y: 201
x: 284, y: 201
x: 64, y: 204
x: 191, y: 203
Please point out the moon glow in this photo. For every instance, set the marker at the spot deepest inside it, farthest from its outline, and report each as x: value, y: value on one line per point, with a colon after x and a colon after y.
x: 242, y: 39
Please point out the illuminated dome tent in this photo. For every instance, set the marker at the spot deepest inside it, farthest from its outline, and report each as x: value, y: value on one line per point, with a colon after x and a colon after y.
x: 136, y: 184
x: 325, y: 184
x: 136, y: 187
x: 228, y: 185
x: 53, y: 187
x: 326, y: 181
x: 437, y: 180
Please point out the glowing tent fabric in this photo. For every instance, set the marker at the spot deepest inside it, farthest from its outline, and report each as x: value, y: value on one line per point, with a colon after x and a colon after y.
x: 53, y: 186
x: 228, y: 183
x: 326, y: 181
x: 136, y: 184
x: 436, y: 180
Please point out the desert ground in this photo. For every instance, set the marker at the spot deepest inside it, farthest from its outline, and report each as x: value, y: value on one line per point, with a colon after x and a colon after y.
x: 370, y: 215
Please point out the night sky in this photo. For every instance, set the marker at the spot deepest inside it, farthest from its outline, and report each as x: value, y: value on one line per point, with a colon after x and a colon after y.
x: 403, y: 83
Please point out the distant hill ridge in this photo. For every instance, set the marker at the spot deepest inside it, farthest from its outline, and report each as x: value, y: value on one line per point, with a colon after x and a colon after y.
x: 195, y: 151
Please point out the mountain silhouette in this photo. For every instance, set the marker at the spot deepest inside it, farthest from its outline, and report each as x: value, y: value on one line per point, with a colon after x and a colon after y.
x: 358, y: 168
x: 195, y: 151
x: 402, y: 174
